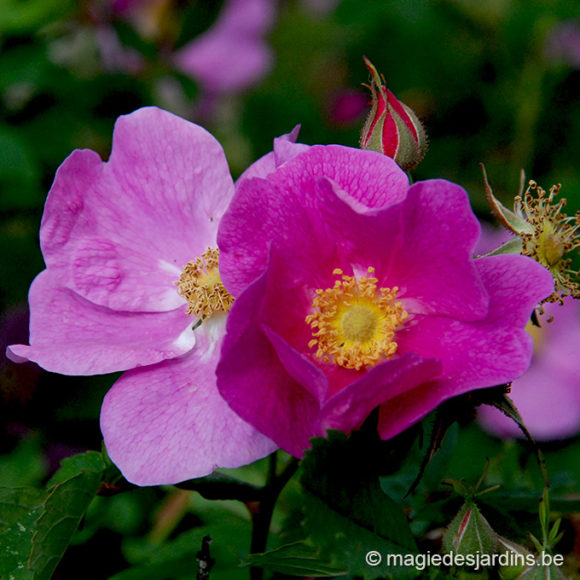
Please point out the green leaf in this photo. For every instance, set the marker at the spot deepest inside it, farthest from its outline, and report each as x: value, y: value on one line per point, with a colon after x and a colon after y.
x: 72, y: 466
x: 19, y: 509
x: 344, y: 473
x: 346, y: 544
x: 295, y: 559
x: 63, y: 509
x: 347, y: 514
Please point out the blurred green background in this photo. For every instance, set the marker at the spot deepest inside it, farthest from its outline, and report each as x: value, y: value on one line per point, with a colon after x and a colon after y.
x: 490, y: 80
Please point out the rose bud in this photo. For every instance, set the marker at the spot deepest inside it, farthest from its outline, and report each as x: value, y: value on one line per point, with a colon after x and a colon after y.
x: 469, y: 533
x: 392, y: 128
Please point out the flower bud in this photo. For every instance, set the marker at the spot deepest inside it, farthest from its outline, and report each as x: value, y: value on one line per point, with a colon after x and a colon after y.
x: 392, y: 128
x: 513, y: 558
x: 542, y: 572
x: 469, y: 533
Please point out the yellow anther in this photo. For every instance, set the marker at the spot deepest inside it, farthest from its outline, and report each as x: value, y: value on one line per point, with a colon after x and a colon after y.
x: 353, y: 324
x: 554, y: 235
x: 200, y: 284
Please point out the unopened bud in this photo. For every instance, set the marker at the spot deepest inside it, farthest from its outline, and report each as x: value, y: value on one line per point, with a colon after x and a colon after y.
x: 392, y: 128
x: 513, y: 559
x: 469, y: 533
x: 542, y: 572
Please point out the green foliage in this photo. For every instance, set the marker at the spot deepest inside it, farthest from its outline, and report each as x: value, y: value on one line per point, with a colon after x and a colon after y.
x: 344, y: 473
x: 19, y: 509
x: 90, y: 462
x: 346, y: 513
x: 295, y: 559
x: 62, y: 511
x: 37, y: 526
x: 175, y: 559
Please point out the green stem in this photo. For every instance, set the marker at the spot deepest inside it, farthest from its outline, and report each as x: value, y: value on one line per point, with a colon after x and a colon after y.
x: 263, y: 510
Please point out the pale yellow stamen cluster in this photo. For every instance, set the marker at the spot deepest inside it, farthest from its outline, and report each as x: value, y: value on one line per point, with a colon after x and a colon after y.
x: 554, y: 235
x: 354, y: 323
x: 200, y: 284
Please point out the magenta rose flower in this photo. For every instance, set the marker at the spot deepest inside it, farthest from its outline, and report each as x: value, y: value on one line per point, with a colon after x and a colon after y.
x: 355, y: 291
x: 132, y: 283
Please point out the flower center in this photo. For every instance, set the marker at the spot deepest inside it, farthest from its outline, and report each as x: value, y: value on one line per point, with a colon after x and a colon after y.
x: 553, y: 249
x: 354, y: 322
x: 554, y: 234
x: 359, y: 323
x: 200, y: 284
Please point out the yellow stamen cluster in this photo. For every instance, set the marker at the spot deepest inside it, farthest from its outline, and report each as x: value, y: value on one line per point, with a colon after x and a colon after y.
x: 554, y: 235
x: 200, y: 284
x: 354, y: 323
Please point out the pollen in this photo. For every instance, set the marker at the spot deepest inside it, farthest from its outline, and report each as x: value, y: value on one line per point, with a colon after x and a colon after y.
x: 353, y: 324
x: 554, y: 235
x: 200, y: 284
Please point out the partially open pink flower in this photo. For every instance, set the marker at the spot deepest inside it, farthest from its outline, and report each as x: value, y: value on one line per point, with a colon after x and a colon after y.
x: 130, y: 249
x: 233, y: 54
x: 355, y: 291
x: 392, y: 128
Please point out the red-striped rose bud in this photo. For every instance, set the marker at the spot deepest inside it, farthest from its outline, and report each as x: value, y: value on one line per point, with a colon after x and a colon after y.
x: 469, y: 533
x: 392, y: 128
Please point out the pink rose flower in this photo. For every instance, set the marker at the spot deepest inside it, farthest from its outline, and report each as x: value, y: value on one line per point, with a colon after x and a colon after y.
x: 355, y: 291
x: 547, y: 396
x: 233, y: 54
x: 120, y: 240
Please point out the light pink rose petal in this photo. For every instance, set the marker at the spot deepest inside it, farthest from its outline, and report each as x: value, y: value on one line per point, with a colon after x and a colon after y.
x: 168, y: 423
x: 72, y: 336
x: 548, y: 394
x: 248, y: 17
x: 548, y: 402
x: 119, y: 233
x: 224, y: 64
x: 232, y: 55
